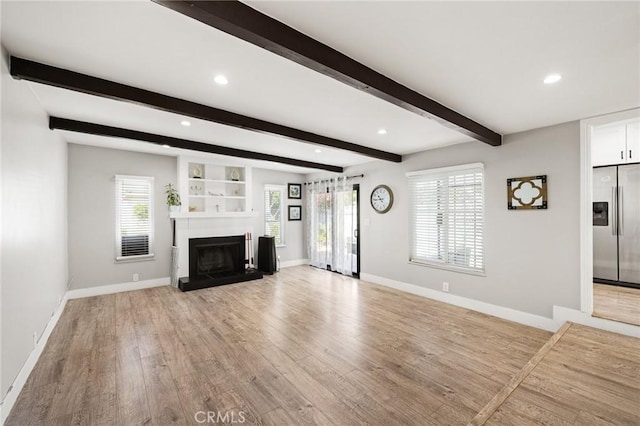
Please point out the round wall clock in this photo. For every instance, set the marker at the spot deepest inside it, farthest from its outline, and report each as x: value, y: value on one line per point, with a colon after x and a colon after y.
x: 381, y: 198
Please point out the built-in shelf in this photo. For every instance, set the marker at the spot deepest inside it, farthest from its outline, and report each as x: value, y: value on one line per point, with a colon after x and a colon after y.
x: 213, y: 190
x: 238, y: 182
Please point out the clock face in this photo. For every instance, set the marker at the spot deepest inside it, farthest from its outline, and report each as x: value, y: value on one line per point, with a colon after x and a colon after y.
x: 381, y: 198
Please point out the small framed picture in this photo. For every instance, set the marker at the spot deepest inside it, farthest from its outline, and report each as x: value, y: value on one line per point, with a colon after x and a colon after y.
x: 295, y: 190
x: 295, y: 212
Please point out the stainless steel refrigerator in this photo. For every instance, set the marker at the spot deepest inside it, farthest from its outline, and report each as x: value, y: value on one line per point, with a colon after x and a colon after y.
x: 616, y: 224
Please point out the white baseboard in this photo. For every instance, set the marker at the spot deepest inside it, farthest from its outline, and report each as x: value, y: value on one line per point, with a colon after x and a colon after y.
x: 475, y: 305
x: 562, y: 314
x: 25, y: 371
x: 117, y: 288
x: 290, y: 263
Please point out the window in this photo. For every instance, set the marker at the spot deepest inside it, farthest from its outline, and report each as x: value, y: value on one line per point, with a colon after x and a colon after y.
x: 447, y: 209
x: 273, y: 212
x: 134, y: 218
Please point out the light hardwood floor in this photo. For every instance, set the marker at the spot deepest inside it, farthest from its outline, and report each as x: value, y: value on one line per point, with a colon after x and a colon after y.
x: 616, y: 303
x: 303, y: 346
x: 590, y: 377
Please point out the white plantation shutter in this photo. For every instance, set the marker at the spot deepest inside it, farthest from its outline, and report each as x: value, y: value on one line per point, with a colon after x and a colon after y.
x: 447, y: 217
x: 134, y: 217
x: 273, y: 212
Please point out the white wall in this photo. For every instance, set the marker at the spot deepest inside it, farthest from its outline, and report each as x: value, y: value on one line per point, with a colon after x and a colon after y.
x: 34, y: 223
x: 532, y: 257
x: 293, y: 231
x: 92, y: 215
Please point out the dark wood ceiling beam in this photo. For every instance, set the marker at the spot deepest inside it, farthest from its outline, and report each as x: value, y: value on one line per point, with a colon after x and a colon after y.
x: 59, y: 77
x: 240, y: 20
x: 117, y: 132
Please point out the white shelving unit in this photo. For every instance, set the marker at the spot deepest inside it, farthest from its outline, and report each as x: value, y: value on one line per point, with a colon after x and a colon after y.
x: 213, y: 190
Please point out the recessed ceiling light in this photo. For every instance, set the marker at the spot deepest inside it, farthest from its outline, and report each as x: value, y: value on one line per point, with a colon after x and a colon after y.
x: 552, y: 78
x: 221, y: 79
x: 185, y: 123
x: 318, y: 151
x: 166, y: 146
x: 382, y: 131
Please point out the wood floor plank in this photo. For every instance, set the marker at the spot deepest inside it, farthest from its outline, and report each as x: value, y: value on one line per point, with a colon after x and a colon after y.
x: 526, y: 415
x: 501, y: 396
x: 566, y: 386
x: 447, y: 415
x: 197, y: 397
x: 306, y: 346
x: 616, y: 303
x: 277, y: 417
x: 384, y: 392
x: 32, y: 407
x: 132, y: 406
x: 355, y: 397
x: 162, y: 394
x: 73, y: 381
x: 334, y: 411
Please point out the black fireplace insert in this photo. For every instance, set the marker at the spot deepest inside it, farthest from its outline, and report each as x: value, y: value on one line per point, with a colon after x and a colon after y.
x: 216, y: 256
x: 215, y: 261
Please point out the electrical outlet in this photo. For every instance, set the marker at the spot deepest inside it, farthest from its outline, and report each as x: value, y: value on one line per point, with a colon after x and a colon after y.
x: 445, y: 287
x: 136, y: 277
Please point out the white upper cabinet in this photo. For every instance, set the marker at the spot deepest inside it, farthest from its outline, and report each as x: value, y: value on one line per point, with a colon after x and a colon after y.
x: 616, y: 144
x: 633, y: 142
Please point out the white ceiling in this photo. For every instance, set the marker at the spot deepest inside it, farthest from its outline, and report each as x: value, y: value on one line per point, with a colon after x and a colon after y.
x: 487, y: 60
x: 484, y: 60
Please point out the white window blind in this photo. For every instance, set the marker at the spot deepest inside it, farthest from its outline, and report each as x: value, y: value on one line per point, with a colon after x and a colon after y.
x: 134, y: 217
x: 447, y: 217
x: 273, y: 212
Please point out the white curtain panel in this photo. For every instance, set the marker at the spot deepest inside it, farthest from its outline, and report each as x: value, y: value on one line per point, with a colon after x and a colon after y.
x: 331, y: 224
x: 344, y: 224
x: 316, y: 214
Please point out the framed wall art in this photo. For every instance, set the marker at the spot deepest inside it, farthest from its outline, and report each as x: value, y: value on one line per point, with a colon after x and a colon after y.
x: 295, y: 212
x: 527, y: 193
x: 295, y: 191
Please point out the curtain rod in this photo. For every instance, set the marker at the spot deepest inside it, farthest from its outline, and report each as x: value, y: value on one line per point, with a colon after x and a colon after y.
x: 331, y: 180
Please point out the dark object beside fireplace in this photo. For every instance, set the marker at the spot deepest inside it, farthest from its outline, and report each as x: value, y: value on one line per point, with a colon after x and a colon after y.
x: 267, y: 256
x: 216, y: 261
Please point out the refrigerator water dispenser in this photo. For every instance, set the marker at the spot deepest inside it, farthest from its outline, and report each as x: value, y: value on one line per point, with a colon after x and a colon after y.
x: 600, y: 213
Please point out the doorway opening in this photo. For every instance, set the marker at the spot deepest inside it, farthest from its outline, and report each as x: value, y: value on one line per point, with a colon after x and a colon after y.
x: 610, y: 217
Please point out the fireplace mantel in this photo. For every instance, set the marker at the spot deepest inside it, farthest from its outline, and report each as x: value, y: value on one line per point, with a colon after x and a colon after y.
x: 204, y: 215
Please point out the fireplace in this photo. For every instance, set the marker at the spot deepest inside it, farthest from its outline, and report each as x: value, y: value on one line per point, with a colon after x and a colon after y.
x: 216, y: 256
x: 216, y: 261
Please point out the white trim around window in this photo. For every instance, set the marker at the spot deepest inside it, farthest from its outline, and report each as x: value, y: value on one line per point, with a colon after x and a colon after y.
x: 274, y: 213
x: 447, y: 218
x: 134, y: 217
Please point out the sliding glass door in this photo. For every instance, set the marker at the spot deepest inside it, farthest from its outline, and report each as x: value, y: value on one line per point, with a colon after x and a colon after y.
x: 332, y: 226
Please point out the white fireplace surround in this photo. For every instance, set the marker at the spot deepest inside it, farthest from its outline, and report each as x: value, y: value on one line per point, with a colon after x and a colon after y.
x: 187, y: 228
